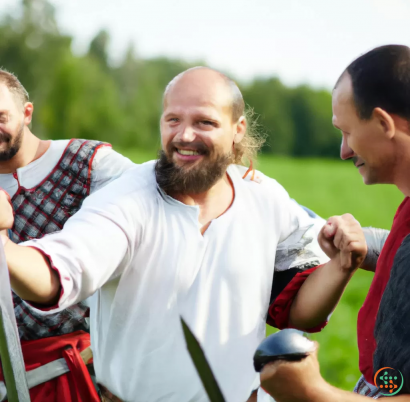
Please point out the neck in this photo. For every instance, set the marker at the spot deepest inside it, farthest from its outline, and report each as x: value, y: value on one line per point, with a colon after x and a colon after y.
x: 212, y: 203
x: 402, y: 167
x: 403, y: 181
x: 31, y: 149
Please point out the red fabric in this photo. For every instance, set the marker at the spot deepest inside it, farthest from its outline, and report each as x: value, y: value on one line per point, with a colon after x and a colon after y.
x: 74, y: 386
x: 368, y: 313
x: 278, y: 315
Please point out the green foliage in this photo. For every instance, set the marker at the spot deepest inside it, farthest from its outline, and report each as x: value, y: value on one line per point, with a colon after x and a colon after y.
x: 331, y: 187
x: 85, y: 96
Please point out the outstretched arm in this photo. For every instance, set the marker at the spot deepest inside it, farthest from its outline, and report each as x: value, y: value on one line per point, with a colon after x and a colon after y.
x: 70, y: 265
x: 302, y: 382
x: 31, y: 275
x: 343, y: 241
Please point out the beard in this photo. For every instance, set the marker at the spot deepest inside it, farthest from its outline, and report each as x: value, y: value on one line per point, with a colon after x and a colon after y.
x: 12, y: 146
x: 186, y: 179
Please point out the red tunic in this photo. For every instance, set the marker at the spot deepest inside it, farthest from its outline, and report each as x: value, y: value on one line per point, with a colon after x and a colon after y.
x: 368, y: 312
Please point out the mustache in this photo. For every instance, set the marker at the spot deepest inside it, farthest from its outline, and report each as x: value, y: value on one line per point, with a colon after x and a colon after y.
x: 199, y: 147
x: 5, y: 137
x: 355, y: 159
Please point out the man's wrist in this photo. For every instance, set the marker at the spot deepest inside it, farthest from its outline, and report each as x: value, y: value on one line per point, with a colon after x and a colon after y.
x: 336, y: 265
x: 320, y: 392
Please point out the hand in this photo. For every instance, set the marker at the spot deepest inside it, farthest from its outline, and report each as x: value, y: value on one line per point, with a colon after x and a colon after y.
x: 6, y: 211
x: 342, y: 238
x: 293, y: 381
x: 4, y: 237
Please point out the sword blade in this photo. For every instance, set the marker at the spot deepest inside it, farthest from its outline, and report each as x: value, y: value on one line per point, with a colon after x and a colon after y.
x: 10, y: 348
x: 202, y: 366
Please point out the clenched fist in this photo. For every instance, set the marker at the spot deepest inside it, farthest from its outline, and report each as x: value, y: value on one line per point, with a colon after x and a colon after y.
x: 342, y: 238
x: 6, y: 211
x: 298, y: 381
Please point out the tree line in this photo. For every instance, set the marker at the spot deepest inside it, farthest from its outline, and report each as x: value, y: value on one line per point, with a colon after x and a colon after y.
x: 85, y: 96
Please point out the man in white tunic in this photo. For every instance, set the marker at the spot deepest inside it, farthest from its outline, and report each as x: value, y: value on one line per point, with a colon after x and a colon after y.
x: 193, y: 235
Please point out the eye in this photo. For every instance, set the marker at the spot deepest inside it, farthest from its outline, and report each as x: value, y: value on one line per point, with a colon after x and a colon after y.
x: 173, y: 119
x: 207, y: 123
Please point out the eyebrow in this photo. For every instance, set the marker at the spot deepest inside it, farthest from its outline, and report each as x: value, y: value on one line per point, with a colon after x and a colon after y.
x: 198, y: 116
x: 169, y: 115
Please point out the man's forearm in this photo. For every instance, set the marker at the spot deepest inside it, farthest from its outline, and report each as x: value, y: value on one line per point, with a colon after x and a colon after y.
x: 329, y: 393
x: 318, y: 296
x: 375, y: 239
x: 31, y: 276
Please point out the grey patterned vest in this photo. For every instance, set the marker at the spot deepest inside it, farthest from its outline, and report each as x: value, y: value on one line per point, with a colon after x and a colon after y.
x: 45, y: 209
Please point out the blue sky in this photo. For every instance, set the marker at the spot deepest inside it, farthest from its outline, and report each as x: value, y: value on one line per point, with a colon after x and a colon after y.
x: 301, y: 41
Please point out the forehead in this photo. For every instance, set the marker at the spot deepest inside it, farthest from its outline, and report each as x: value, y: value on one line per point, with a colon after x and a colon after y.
x: 7, y: 100
x: 342, y: 101
x: 198, y: 93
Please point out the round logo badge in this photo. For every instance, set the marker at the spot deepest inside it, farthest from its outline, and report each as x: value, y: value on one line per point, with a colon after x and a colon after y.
x: 389, y: 381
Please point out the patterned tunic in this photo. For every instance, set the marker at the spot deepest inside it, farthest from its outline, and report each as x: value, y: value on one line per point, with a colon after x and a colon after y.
x: 45, y: 209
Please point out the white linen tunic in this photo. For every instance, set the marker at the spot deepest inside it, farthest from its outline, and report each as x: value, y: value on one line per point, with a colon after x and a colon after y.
x: 142, y: 252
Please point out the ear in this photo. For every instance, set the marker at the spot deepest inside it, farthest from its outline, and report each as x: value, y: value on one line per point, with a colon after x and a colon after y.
x: 240, y: 130
x: 386, y: 121
x: 28, y: 113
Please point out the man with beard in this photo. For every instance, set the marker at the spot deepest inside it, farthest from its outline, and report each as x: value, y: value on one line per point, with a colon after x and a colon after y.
x: 371, y: 107
x: 47, y: 182
x: 193, y: 234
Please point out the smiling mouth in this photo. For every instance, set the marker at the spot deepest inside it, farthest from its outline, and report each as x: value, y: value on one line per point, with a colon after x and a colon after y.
x: 187, y: 152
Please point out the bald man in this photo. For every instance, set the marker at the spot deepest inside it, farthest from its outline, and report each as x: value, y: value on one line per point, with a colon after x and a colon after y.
x: 193, y: 234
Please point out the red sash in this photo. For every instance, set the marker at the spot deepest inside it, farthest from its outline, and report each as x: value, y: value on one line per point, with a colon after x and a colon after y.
x: 74, y: 386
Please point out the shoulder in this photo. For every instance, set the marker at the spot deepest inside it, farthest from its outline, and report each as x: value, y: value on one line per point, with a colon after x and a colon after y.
x: 137, y: 183
x: 60, y: 144
x: 105, y: 155
x: 106, y: 158
x: 258, y: 184
x: 107, y: 165
x: 131, y: 199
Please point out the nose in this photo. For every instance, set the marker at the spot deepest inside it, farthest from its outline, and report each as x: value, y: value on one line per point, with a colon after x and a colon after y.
x: 345, y: 151
x: 187, y: 134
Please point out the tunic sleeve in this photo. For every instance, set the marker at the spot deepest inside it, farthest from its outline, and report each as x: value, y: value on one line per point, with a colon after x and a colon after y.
x: 297, y: 256
x: 94, y: 246
x: 107, y: 166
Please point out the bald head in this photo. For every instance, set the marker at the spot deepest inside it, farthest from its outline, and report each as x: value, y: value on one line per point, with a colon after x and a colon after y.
x: 208, y: 84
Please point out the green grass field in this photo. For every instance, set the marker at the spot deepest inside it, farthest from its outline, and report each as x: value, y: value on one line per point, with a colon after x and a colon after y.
x: 332, y: 187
